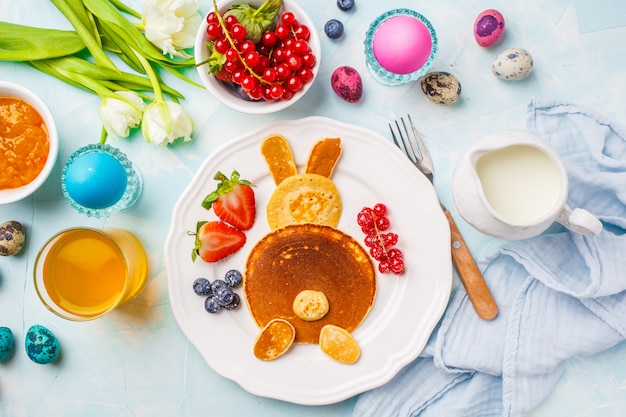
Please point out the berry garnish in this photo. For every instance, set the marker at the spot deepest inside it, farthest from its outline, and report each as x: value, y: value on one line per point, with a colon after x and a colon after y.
x: 241, y: 55
x: 233, y: 201
x: 234, y: 304
x: 202, y: 286
x: 333, y: 29
x: 345, y: 5
x: 373, y: 221
x: 216, y: 240
x: 233, y: 278
x: 212, y: 305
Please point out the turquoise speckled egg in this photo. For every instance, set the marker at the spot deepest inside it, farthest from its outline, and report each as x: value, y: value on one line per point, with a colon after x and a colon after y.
x: 6, y: 343
x: 41, y: 345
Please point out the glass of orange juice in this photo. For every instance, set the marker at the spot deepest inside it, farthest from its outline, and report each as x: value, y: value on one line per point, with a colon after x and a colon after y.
x: 83, y: 273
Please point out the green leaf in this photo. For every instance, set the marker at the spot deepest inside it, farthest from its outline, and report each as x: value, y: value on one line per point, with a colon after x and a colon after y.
x: 25, y: 43
x: 72, y: 11
x: 258, y: 20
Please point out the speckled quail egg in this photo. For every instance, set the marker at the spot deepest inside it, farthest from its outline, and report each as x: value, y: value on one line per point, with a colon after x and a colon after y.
x: 441, y: 87
x: 514, y: 64
x: 6, y: 343
x: 11, y: 238
x: 41, y: 345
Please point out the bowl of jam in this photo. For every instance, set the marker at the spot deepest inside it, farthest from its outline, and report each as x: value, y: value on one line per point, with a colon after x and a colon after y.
x: 29, y: 142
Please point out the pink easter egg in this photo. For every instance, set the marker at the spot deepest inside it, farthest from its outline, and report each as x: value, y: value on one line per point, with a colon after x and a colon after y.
x: 488, y: 27
x: 402, y: 44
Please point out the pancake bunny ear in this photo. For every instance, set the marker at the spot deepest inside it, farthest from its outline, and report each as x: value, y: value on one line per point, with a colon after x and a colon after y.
x: 323, y: 157
x: 279, y: 158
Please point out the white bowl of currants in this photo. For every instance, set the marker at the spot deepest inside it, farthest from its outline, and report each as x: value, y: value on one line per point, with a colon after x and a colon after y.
x: 257, y: 66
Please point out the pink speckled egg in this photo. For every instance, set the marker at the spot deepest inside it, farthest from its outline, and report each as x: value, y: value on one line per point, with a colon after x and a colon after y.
x: 402, y: 44
x: 488, y: 27
x: 347, y: 84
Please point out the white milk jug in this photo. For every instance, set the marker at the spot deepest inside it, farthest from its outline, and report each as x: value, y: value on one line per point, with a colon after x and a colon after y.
x: 511, y: 185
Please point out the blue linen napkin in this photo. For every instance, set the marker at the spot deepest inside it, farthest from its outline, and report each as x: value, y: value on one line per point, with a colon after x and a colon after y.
x: 559, y: 294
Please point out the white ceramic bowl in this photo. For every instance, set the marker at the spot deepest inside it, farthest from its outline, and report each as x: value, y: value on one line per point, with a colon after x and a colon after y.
x: 228, y: 96
x: 8, y: 89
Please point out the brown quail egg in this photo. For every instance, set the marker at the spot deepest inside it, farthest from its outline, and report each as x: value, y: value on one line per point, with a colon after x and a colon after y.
x: 11, y: 237
x: 441, y: 87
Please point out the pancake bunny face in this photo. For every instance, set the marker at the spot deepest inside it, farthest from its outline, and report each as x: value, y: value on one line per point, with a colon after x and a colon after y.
x: 306, y: 281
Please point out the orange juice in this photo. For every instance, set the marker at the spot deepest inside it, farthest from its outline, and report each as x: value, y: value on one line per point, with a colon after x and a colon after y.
x: 82, y: 273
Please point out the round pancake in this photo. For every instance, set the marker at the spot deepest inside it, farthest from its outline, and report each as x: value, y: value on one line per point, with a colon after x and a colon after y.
x: 304, y: 198
x: 309, y: 257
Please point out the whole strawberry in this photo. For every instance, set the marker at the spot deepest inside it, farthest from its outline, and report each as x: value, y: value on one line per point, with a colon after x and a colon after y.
x: 216, y: 240
x: 233, y: 201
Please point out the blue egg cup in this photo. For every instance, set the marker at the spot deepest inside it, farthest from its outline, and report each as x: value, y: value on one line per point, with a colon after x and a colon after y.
x: 379, y: 73
x: 134, y: 184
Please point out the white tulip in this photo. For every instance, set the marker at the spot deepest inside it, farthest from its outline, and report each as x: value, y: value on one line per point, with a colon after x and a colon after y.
x: 164, y: 122
x: 171, y: 25
x: 118, y: 116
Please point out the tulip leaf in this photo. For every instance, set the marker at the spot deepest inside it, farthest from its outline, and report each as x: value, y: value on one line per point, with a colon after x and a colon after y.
x: 25, y: 43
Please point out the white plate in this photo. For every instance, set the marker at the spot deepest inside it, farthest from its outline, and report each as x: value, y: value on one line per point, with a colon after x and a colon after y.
x: 406, y: 310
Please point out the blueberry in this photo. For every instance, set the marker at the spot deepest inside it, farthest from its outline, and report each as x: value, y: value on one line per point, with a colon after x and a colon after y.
x: 212, y: 305
x: 218, y: 285
x: 333, y: 29
x: 224, y: 295
x: 202, y: 286
x: 233, y: 278
x: 234, y: 304
x: 345, y: 5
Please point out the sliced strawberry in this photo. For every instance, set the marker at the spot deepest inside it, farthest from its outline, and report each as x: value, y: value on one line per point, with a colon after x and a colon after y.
x: 233, y: 201
x: 216, y: 240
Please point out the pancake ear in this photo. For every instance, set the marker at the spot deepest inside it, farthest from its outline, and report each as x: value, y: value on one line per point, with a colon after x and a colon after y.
x: 323, y: 157
x: 279, y: 158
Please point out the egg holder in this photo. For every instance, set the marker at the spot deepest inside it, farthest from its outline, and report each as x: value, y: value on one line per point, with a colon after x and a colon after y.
x: 134, y: 185
x: 46, y: 350
x: 377, y: 71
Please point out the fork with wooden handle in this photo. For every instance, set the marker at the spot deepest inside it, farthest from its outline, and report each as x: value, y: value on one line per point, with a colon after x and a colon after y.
x: 479, y: 294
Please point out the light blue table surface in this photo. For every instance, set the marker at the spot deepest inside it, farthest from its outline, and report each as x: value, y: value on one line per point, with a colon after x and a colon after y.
x: 136, y: 361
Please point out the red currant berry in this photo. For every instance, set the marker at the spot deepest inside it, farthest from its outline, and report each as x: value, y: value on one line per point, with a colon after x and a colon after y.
x: 269, y: 39
x: 384, y: 267
x: 371, y: 239
x: 377, y: 253
x: 288, y: 19
x: 269, y: 75
x: 252, y: 59
x: 302, y: 32
x: 256, y: 93
x: 238, y: 32
x: 294, y: 83
x: 365, y: 219
x: 221, y: 45
x: 267, y: 93
x: 283, y: 72
x: 247, y: 46
x: 382, y: 223
x: 282, y: 32
x: 232, y: 66
x: 229, y: 21
x: 212, y: 18
x: 389, y: 239
x: 279, y: 54
x: 300, y: 47
x: 309, y: 60
x: 306, y: 74
x: 264, y: 62
x: 238, y: 76
x: 249, y: 83
x: 276, y: 91
x: 287, y: 94
x: 294, y: 62
x: 232, y: 54
x: 396, y: 265
x: 395, y: 253
x: 380, y: 210
x: 214, y: 30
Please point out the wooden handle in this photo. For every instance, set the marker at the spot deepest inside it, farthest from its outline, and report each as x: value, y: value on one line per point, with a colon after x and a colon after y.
x: 473, y: 281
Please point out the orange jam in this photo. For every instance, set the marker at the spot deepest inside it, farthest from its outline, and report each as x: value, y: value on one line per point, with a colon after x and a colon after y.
x: 24, y: 143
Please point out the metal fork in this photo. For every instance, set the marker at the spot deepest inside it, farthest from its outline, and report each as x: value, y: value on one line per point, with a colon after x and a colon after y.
x: 479, y: 294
